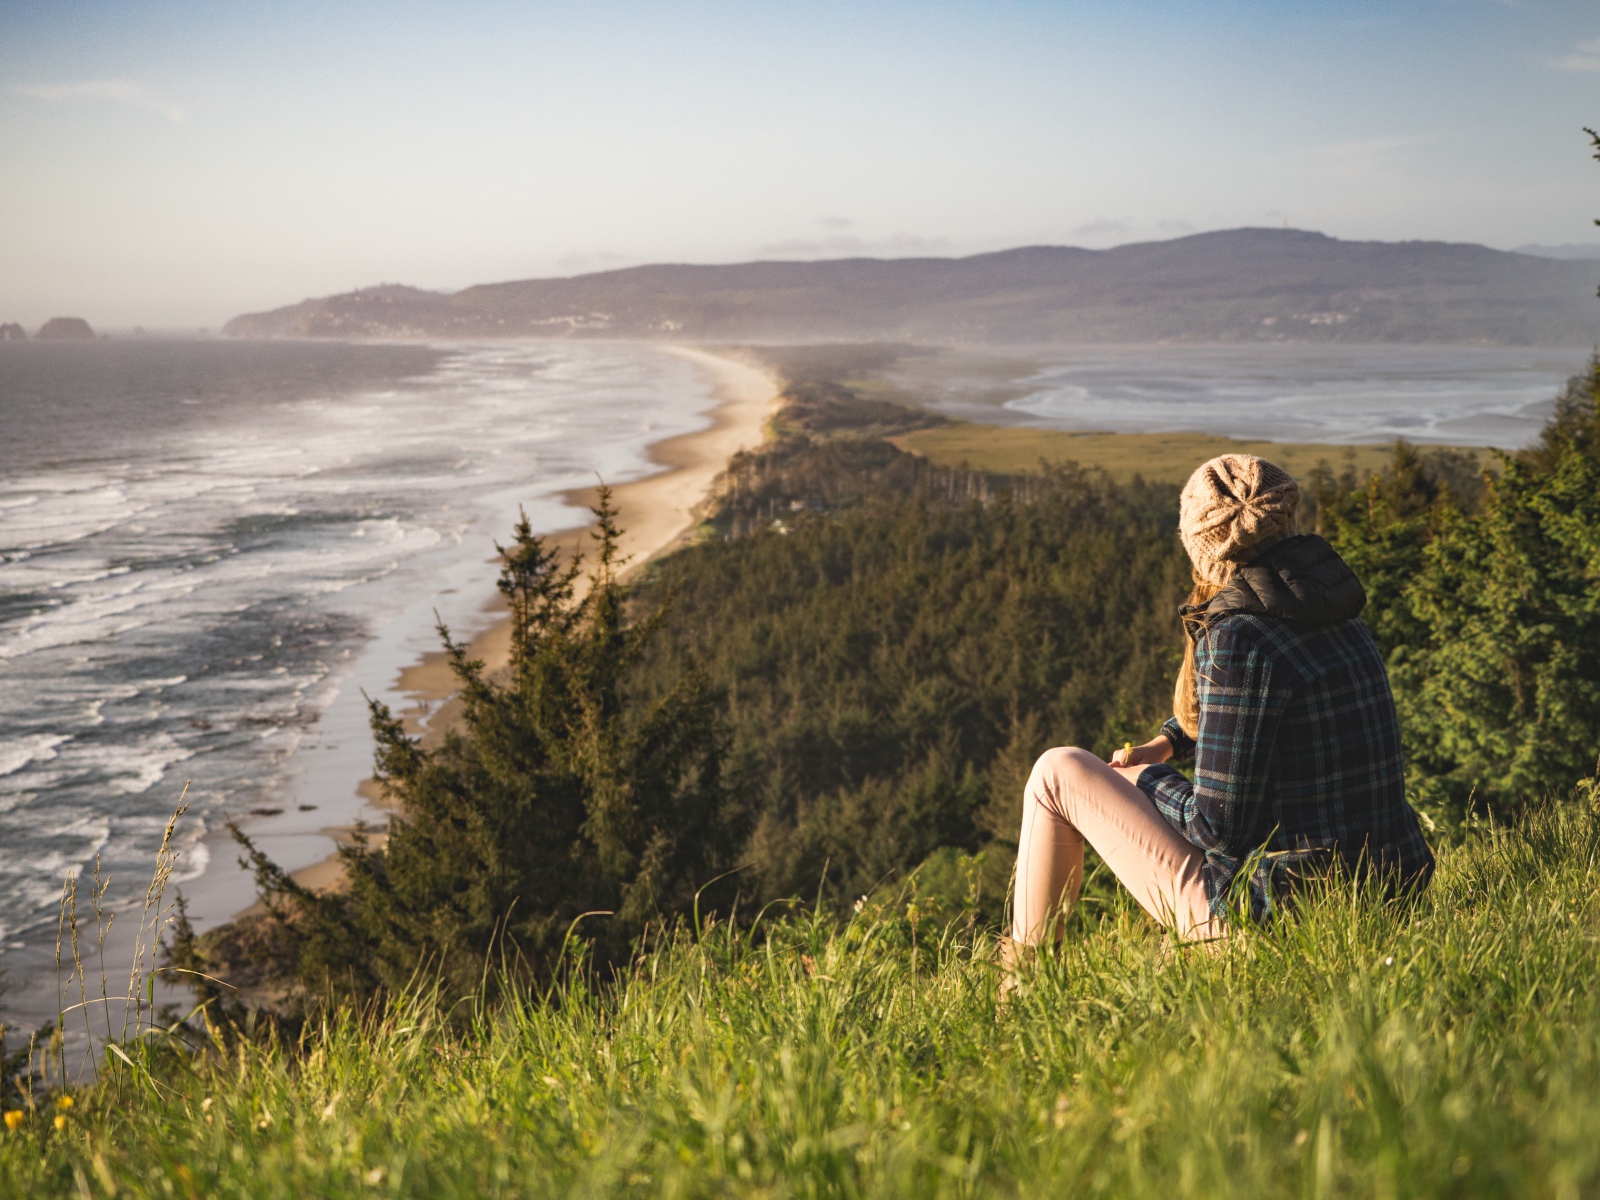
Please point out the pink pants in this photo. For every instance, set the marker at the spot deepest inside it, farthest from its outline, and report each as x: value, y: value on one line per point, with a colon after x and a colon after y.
x: 1073, y: 797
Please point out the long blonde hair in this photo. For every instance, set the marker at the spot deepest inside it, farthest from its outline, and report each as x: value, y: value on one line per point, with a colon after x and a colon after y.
x: 1186, y: 692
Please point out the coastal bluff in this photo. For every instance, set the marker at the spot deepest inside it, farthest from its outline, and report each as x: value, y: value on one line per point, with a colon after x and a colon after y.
x: 1240, y: 285
x: 64, y: 329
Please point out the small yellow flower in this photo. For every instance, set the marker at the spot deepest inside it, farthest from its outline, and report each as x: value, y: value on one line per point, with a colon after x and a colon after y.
x: 61, y: 1121
x: 63, y: 1102
x: 15, y: 1118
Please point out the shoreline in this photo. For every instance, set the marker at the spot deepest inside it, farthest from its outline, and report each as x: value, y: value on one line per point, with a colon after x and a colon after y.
x: 658, y: 514
x: 670, y: 499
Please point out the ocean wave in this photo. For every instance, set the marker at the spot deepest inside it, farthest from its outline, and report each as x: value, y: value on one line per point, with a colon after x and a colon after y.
x: 127, y: 767
x: 16, y: 753
x: 33, y: 882
x: 193, y: 859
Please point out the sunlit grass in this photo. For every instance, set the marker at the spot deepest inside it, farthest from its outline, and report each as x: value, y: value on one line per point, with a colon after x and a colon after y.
x: 1159, y: 457
x: 1357, y: 1049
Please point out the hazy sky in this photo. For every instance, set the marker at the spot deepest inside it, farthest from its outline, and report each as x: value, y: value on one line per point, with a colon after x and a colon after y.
x: 173, y: 164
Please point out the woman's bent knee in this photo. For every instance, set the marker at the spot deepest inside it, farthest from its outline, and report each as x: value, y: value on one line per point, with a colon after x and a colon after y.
x: 1062, y: 761
x: 1058, y: 774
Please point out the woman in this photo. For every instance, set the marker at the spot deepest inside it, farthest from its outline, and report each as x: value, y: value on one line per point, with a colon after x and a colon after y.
x: 1282, y: 702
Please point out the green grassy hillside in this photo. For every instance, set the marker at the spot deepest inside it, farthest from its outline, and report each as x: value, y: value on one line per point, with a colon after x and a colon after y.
x: 1359, y: 1050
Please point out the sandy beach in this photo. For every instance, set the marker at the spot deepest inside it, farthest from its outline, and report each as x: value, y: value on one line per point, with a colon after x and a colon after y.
x: 657, y: 513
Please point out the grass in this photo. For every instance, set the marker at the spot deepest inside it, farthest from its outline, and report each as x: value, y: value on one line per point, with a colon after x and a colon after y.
x: 1358, y: 1049
x: 1159, y: 457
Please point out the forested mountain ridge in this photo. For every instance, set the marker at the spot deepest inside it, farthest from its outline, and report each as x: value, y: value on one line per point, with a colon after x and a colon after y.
x: 1231, y: 285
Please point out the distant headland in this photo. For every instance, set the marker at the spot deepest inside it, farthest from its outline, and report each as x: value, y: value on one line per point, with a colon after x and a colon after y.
x: 63, y: 328
x: 1241, y: 285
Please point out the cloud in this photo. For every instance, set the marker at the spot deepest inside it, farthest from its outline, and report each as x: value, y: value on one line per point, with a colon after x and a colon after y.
x: 1174, y: 228
x: 593, y: 260
x: 117, y: 91
x: 1586, y: 57
x: 835, y: 222
x: 898, y: 244
x: 1101, y: 227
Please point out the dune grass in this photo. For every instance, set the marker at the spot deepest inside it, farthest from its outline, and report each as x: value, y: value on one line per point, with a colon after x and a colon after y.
x: 1159, y: 457
x: 1450, y: 1048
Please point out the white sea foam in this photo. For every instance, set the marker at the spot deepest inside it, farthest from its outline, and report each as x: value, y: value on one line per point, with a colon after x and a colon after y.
x: 193, y: 859
x: 16, y: 753
x: 136, y: 769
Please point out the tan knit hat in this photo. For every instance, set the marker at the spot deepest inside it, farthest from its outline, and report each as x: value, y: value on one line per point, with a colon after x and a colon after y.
x: 1232, y: 508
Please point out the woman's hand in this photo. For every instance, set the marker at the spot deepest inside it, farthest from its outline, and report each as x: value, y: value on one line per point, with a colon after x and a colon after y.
x: 1130, y: 761
x: 1156, y: 750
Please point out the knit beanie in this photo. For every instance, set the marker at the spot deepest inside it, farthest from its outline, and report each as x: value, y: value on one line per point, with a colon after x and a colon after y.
x: 1233, y: 508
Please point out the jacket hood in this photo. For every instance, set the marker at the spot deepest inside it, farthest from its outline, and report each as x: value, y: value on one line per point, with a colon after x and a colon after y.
x: 1301, y: 580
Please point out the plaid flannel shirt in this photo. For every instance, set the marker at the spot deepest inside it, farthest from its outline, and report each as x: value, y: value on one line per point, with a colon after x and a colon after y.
x: 1298, y: 755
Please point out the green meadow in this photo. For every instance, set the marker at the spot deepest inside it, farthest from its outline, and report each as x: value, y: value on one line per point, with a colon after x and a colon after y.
x: 1360, y: 1049
x: 1158, y: 457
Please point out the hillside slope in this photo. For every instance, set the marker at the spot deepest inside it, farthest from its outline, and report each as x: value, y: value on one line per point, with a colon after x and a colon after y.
x: 1235, y: 285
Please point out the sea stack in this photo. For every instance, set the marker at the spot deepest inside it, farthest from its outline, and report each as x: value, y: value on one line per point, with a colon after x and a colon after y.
x: 12, y: 332
x: 65, y: 327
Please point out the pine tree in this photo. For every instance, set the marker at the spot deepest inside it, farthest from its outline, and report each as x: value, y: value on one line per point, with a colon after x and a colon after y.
x: 557, y: 800
x: 1503, y: 693
x: 1489, y: 614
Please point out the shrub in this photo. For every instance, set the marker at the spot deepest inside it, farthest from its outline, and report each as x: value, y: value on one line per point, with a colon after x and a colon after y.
x: 559, y: 794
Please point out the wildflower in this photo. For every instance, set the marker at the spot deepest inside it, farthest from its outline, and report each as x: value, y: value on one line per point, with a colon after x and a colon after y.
x: 63, y: 1102
x: 61, y: 1122
x: 15, y: 1117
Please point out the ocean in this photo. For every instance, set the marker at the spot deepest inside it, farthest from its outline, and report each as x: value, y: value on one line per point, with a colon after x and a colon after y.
x: 210, y: 549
